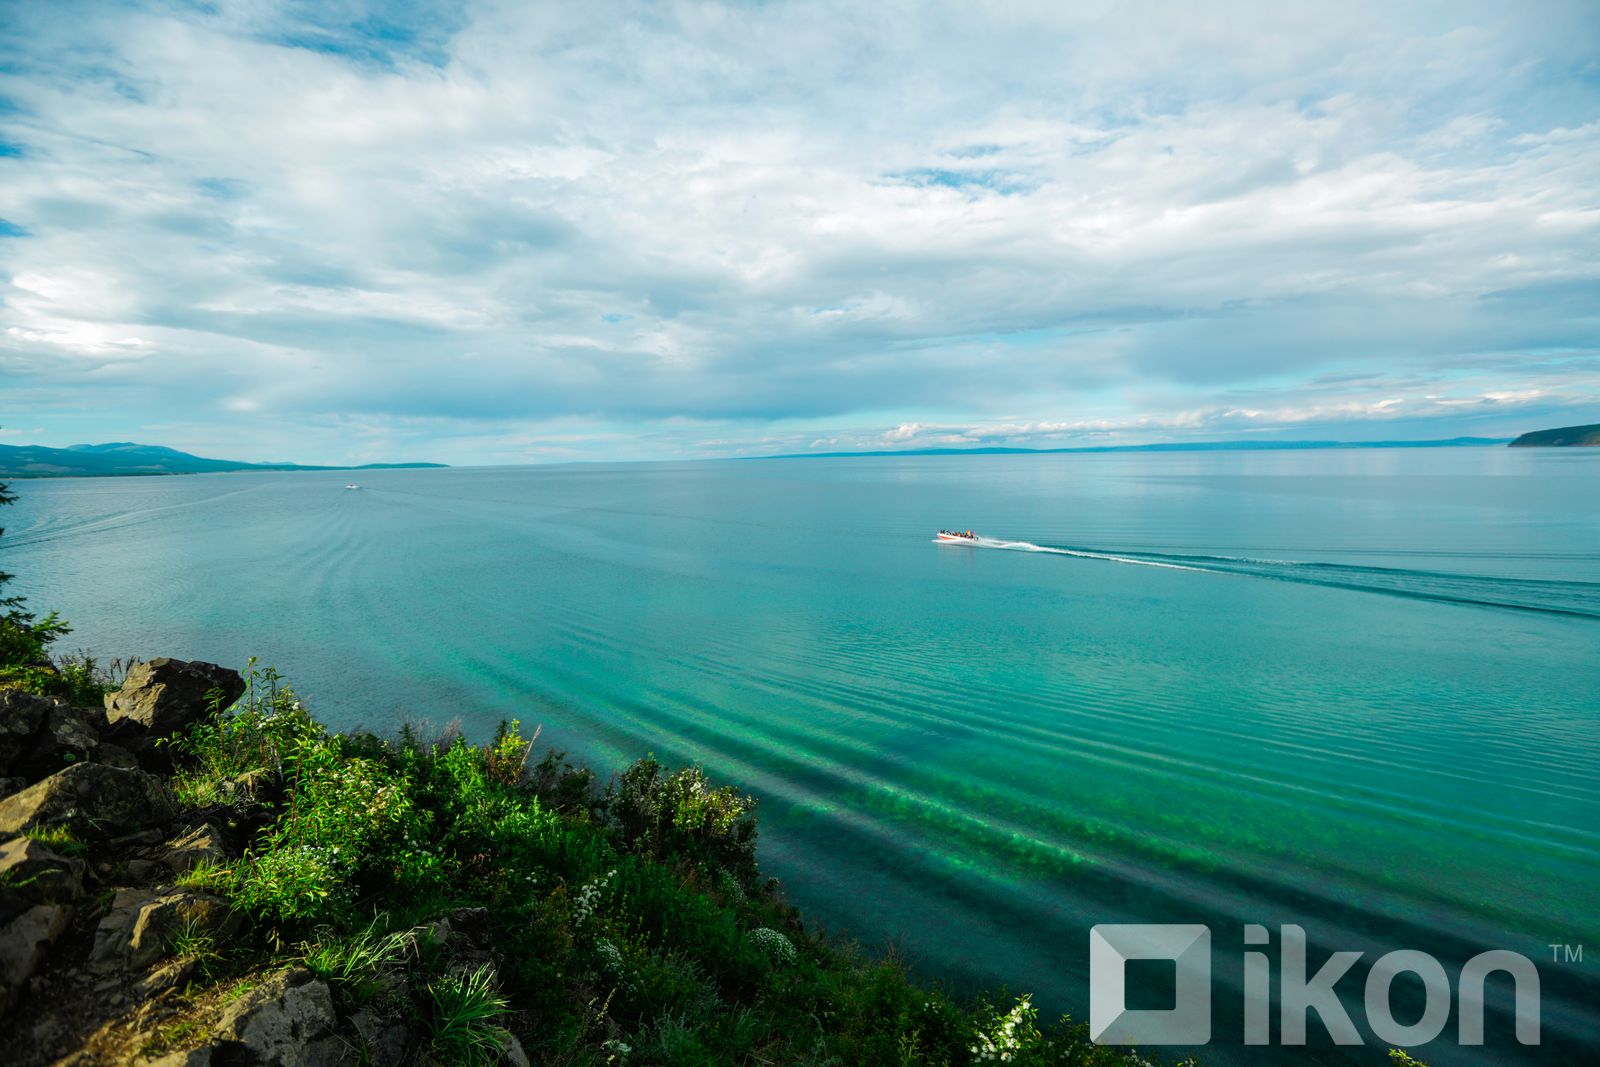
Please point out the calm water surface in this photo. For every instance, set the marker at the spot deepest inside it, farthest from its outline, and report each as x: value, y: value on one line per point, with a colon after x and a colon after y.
x: 1355, y: 690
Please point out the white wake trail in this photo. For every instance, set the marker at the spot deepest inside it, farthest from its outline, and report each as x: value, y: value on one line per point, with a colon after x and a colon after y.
x: 1029, y: 546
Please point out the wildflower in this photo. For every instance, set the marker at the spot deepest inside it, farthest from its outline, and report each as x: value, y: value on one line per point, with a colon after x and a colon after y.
x: 777, y: 948
x: 1010, y: 1034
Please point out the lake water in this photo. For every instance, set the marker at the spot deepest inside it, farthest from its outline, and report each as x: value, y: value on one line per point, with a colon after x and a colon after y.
x: 1356, y: 690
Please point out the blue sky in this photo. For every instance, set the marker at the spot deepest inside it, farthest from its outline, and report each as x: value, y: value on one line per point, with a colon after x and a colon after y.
x: 526, y: 232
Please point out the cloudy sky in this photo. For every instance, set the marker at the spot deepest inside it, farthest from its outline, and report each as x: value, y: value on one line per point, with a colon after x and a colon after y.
x: 524, y: 232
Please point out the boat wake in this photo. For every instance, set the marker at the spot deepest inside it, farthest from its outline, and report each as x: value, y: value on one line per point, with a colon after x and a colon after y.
x: 1578, y: 599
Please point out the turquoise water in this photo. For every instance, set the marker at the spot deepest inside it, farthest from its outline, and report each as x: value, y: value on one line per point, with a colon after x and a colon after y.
x: 1355, y: 690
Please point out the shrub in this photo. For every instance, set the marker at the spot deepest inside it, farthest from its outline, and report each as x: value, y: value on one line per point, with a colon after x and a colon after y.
x: 466, y: 1014
x: 680, y: 814
x: 292, y: 884
x: 773, y: 946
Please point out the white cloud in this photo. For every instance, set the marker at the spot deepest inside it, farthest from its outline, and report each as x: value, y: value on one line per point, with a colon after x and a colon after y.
x: 1082, y: 219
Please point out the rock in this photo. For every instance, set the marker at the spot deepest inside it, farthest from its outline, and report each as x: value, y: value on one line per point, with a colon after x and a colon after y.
x: 165, y: 695
x: 203, y: 844
x: 39, y: 875
x: 142, y: 871
x: 287, y: 1020
x: 90, y: 799
x: 195, y: 1057
x: 512, y: 1054
x: 66, y: 736
x: 115, y: 756
x: 21, y: 714
x: 167, y: 976
x: 386, y: 1040
x: 23, y: 944
x: 9, y: 786
x: 140, y: 927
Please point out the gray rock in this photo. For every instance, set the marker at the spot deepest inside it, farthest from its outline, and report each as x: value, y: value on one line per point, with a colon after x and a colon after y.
x: 164, y: 695
x: 115, y: 756
x: 38, y: 875
x: 141, y: 924
x: 167, y: 976
x: 23, y: 944
x: 195, y: 1057
x: 287, y: 1020
x: 9, y: 786
x: 66, y: 736
x: 512, y: 1053
x: 91, y: 800
x: 203, y: 844
x: 386, y: 1040
x: 20, y: 717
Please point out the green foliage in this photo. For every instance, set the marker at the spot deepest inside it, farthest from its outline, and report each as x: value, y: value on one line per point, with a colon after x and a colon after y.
x: 467, y: 1010
x: 25, y: 639
x: 679, y: 814
x: 191, y: 941
x: 57, y: 839
x: 630, y: 923
x: 353, y: 964
x: 295, y: 885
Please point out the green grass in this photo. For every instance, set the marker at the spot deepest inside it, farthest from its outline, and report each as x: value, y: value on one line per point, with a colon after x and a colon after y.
x: 467, y: 1011
x: 631, y: 923
x: 57, y: 839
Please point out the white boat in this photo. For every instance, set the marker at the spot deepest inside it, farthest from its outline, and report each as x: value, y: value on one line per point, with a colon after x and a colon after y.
x: 957, y: 537
x: 352, y: 485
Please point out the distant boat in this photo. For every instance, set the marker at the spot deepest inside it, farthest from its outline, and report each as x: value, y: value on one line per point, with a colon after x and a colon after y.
x: 957, y: 537
x: 352, y: 485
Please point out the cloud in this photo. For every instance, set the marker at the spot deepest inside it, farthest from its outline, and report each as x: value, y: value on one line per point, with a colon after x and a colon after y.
x: 479, y: 230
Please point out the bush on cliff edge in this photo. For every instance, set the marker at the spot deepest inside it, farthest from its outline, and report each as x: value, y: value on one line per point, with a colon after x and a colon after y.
x: 628, y: 924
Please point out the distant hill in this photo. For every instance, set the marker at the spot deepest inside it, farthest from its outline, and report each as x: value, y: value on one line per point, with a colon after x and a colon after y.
x: 1566, y: 435
x: 125, y: 457
x: 1183, y: 446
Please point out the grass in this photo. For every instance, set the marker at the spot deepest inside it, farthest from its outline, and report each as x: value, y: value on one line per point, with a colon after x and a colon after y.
x: 172, y: 1037
x: 57, y: 839
x: 631, y: 922
x: 467, y: 1011
x: 191, y: 942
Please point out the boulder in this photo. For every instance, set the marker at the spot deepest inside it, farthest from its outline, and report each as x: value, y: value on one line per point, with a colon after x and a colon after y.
x: 115, y: 756
x: 140, y: 926
x: 286, y: 1020
x: 92, y: 800
x: 66, y: 736
x: 23, y: 944
x: 39, y: 875
x: 385, y: 1040
x: 21, y: 714
x: 165, y: 695
x: 203, y: 844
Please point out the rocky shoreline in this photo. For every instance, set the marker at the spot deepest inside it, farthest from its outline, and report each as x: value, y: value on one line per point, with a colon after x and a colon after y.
x: 87, y: 927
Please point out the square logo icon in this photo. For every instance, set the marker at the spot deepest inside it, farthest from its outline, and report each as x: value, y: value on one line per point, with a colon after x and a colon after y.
x: 1112, y: 1022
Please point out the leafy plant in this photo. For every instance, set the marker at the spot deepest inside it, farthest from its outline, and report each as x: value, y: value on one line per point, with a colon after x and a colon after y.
x: 466, y: 1014
x: 352, y: 964
x: 192, y: 941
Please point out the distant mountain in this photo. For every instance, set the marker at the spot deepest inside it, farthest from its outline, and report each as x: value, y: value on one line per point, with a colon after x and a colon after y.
x: 125, y: 457
x: 1566, y: 435
x: 1189, y: 446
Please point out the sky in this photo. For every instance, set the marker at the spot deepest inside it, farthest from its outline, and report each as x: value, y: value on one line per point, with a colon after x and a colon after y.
x: 483, y: 232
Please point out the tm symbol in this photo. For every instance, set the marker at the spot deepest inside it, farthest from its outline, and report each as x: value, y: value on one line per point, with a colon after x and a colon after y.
x: 1565, y: 953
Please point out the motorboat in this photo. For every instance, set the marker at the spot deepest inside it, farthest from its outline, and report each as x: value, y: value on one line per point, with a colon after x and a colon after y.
x: 352, y: 485
x: 957, y: 537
